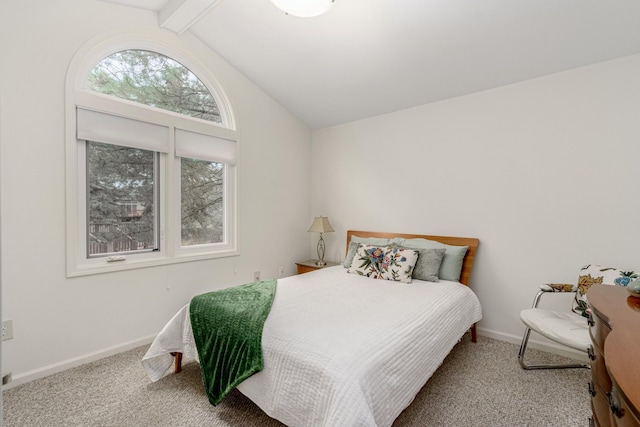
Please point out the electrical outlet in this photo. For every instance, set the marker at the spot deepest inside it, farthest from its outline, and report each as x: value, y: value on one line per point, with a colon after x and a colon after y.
x: 256, y: 276
x: 7, y: 330
x: 281, y: 272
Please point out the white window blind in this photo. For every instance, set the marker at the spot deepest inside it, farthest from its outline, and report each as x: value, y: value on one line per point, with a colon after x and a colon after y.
x: 108, y: 128
x: 199, y: 146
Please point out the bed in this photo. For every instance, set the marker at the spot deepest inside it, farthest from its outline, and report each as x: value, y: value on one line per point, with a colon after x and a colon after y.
x: 342, y: 349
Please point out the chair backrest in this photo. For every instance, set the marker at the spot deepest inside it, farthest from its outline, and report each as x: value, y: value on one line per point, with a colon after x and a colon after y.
x: 592, y: 274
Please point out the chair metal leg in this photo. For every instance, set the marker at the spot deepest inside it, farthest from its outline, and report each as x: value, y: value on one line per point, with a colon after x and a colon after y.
x: 523, y: 349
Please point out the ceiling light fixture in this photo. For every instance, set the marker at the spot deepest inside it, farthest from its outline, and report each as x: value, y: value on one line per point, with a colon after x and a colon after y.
x: 303, y: 8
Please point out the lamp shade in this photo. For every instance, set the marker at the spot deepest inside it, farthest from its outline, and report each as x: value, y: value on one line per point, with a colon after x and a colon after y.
x: 321, y: 224
x: 303, y: 8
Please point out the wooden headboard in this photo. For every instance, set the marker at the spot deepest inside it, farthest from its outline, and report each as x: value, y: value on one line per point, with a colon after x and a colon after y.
x: 467, y: 263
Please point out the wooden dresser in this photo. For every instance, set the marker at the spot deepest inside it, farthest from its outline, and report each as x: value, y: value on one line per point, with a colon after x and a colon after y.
x: 614, y: 327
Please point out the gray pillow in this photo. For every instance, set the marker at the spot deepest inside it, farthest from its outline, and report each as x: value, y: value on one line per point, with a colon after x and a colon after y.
x: 451, y: 266
x: 353, y: 248
x: 428, y: 264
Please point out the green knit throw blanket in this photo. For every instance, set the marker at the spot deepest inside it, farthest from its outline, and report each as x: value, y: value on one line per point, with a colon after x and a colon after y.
x: 227, y: 327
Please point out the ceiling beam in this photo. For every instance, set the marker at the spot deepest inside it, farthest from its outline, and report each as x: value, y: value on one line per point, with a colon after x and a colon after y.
x: 179, y: 15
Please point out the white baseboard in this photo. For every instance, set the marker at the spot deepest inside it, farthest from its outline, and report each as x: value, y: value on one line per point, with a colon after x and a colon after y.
x: 534, y: 343
x: 72, y: 363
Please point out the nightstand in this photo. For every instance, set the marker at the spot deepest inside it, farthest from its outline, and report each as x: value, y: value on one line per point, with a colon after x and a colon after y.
x: 310, y: 265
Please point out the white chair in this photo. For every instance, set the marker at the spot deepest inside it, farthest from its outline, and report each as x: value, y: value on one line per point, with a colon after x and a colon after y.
x: 566, y: 328
x: 569, y: 328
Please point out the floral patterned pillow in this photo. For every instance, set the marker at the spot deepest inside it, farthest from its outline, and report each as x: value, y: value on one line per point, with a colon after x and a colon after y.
x: 384, y: 262
x: 592, y: 274
x: 356, y: 241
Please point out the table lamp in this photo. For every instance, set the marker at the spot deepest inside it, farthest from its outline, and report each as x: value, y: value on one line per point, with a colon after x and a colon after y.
x: 320, y: 225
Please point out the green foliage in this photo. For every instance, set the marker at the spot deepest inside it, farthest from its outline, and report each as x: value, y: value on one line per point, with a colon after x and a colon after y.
x: 154, y: 80
x: 118, y: 174
x: 202, y: 206
x: 121, y: 180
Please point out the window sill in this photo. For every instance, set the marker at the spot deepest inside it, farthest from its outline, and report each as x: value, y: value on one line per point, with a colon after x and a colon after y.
x: 131, y: 263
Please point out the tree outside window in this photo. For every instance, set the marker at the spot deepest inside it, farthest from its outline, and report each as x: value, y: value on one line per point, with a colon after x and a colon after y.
x: 122, y: 181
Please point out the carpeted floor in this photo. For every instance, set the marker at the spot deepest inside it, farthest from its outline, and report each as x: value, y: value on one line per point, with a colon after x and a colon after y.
x: 479, y: 384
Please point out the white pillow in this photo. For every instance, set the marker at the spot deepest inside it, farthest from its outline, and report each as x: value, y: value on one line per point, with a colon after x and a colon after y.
x: 384, y: 262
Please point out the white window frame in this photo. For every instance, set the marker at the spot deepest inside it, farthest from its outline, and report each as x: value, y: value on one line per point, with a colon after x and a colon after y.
x: 77, y: 97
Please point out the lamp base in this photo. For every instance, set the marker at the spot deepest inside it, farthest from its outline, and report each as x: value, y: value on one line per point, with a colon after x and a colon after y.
x: 320, y: 262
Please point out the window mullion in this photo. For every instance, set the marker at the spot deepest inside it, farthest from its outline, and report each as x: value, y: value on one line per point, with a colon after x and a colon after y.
x: 171, y: 197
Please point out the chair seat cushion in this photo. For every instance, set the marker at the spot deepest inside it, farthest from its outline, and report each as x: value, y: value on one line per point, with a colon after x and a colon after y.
x: 566, y: 328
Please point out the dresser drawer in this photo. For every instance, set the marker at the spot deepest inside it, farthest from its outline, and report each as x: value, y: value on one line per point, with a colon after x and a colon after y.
x: 600, y: 407
x: 599, y: 374
x: 312, y: 265
x: 305, y: 269
x: 598, y: 329
x: 622, y: 414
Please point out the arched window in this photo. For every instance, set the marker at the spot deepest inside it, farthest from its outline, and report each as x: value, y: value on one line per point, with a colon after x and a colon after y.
x: 154, y: 149
x: 155, y: 80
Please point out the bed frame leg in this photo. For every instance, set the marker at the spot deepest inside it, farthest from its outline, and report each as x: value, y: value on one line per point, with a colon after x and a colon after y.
x: 178, y: 362
x: 474, y: 336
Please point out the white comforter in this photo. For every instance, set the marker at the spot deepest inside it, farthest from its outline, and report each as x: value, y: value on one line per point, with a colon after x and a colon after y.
x: 340, y: 349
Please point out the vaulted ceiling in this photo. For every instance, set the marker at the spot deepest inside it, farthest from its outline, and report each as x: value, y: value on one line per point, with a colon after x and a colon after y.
x: 368, y: 57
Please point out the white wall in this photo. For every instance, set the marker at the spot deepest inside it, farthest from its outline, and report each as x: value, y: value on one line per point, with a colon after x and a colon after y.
x: 544, y: 172
x: 59, y: 321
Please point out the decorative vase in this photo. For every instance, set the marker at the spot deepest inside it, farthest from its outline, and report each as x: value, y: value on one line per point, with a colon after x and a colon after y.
x: 634, y: 288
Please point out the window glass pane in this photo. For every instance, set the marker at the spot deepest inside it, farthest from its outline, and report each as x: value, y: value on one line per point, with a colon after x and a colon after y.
x: 202, y: 202
x: 121, y: 194
x: 155, y: 80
